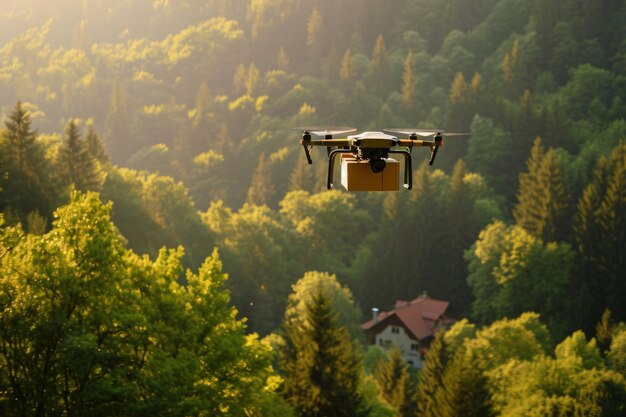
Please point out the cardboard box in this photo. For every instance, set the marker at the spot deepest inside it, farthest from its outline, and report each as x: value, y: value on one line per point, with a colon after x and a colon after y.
x: 358, y: 176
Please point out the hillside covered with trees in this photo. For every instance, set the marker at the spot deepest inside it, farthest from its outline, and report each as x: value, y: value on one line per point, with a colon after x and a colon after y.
x: 158, y: 215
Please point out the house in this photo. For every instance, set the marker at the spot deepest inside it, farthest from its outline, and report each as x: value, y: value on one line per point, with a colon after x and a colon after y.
x: 410, y: 326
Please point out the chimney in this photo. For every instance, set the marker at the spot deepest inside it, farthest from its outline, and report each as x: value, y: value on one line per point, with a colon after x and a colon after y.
x: 374, y: 313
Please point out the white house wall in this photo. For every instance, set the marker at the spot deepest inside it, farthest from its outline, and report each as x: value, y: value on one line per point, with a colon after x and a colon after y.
x: 399, y: 337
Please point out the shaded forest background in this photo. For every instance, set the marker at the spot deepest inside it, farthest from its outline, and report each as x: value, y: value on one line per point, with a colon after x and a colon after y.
x: 176, y: 111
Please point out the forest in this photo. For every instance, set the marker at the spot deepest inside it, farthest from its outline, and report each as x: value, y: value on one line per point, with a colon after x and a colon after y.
x: 166, y: 250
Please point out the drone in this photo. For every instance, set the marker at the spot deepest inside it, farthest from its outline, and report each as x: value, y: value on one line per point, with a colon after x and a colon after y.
x: 365, y: 157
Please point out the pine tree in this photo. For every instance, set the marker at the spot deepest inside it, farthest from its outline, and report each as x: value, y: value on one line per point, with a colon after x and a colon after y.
x: 409, y: 83
x: 600, y: 230
x: 301, y: 177
x: 380, y: 67
x: 465, y: 389
x: 461, y: 110
x: 321, y: 365
x: 76, y: 165
x: 252, y: 79
x: 431, y: 378
x: 346, y: 66
x: 458, y: 213
x: 542, y: 199
x: 95, y: 147
x: 261, y: 191
x: 604, y: 331
x: 395, y: 384
x: 117, y: 135
x: 239, y: 79
x: 26, y: 181
x: 21, y: 138
x: 458, y: 90
x: 315, y: 33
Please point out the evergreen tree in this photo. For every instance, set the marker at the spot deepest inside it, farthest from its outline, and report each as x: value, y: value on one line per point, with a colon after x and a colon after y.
x: 600, y: 229
x: 261, y: 191
x: 465, y: 389
x: 380, y: 67
x: 461, y: 112
x: 463, y: 227
x: 345, y: 72
x: 542, y: 199
x: 431, y: 378
x: 315, y: 35
x: 21, y: 138
x: 76, y: 165
x: 322, y: 368
x: 201, y: 125
x: 95, y: 147
x: 26, y: 180
x: 301, y: 177
x: 409, y: 83
x: 117, y: 135
x: 604, y: 331
x: 395, y: 384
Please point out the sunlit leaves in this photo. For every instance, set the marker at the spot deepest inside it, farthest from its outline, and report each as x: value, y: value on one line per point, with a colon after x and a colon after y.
x: 89, y: 327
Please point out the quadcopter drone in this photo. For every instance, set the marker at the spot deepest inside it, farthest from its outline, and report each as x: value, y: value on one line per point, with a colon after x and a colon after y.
x: 365, y: 161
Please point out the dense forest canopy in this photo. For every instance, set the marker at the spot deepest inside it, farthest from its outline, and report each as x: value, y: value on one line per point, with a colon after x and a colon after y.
x: 161, y: 124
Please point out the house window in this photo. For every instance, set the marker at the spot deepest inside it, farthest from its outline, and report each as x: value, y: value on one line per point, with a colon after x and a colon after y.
x: 380, y: 341
x: 395, y: 330
x: 415, y: 347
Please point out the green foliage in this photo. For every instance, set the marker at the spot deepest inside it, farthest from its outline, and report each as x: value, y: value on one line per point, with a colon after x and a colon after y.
x: 411, y: 236
x: 153, y: 211
x: 465, y: 389
x: 328, y: 221
x: 76, y: 164
x: 321, y: 366
x: 27, y: 181
x: 511, y: 271
x: 617, y: 353
x: 523, y: 338
x: 395, y: 384
x: 196, y: 90
x: 508, y: 369
x: 91, y: 328
x: 260, y: 280
x: 431, y: 377
x: 599, y: 226
x: 340, y: 297
x: 542, y: 199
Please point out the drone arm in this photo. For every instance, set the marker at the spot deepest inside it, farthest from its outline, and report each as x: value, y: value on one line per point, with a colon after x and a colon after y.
x: 326, y: 142
x: 410, y: 143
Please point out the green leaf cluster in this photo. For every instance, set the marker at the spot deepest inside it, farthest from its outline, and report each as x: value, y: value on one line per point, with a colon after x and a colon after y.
x: 89, y: 327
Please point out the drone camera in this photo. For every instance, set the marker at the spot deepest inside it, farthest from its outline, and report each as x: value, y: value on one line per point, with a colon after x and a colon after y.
x: 377, y: 165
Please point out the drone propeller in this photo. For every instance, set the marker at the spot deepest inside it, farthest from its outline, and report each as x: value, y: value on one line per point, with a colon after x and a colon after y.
x: 325, y: 130
x: 425, y: 132
x: 414, y: 132
x: 450, y: 134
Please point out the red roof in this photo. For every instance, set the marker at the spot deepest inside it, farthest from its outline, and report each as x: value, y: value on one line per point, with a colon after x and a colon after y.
x: 418, y: 316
